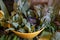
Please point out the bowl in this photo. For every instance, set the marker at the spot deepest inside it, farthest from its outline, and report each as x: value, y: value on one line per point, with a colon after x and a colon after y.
x: 28, y: 35
x: 24, y: 35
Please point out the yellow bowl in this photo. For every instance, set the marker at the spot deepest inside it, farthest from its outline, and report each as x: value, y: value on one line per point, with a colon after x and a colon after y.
x: 1, y: 14
x: 24, y: 35
x: 28, y: 35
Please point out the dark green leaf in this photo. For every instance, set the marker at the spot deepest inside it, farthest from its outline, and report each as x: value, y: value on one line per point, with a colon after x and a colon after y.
x: 15, y: 38
x: 2, y: 37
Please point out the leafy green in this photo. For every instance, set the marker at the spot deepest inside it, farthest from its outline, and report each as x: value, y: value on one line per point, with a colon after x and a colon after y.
x: 15, y: 24
x: 45, y: 33
x: 28, y: 25
x: 21, y: 30
x: 20, y: 17
x: 23, y: 7
x: 15, y: 38
x: 18, y: 38
x: 2, y: 37
x: 24, y: 21
x: 9, y: 38
x: 6, y: 37
x: 51, y: 28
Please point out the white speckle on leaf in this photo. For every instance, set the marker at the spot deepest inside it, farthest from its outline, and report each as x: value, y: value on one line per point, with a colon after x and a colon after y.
x: 15, y: 24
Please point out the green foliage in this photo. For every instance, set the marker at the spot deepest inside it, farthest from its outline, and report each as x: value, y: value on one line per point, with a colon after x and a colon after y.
x: 15, y: 38
x: 9, y: 38
x: 51, y: 28
x: 45, y: 33
x: 21, y: 23
x: 2, y: 37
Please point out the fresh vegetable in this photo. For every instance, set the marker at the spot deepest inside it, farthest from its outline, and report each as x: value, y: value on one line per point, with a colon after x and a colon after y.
x: 24, y: 19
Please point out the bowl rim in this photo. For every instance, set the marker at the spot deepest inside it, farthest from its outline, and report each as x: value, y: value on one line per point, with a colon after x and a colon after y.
x: 2, y: 14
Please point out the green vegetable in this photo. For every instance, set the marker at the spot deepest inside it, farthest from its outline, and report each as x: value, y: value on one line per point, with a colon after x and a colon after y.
x: 2, y: 37
x: 20, y: 17
x: 9, y: 38
x: 6, y: 37
x: 23, y: 6
x: 18, y: 38
x: 15, y: 37
x: 28, y: 25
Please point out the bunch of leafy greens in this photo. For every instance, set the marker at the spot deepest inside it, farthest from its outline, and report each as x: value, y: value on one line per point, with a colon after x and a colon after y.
x: 23, y: 19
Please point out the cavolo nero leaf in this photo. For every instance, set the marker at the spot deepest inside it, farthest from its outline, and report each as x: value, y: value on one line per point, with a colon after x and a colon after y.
x: 24, y: 7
